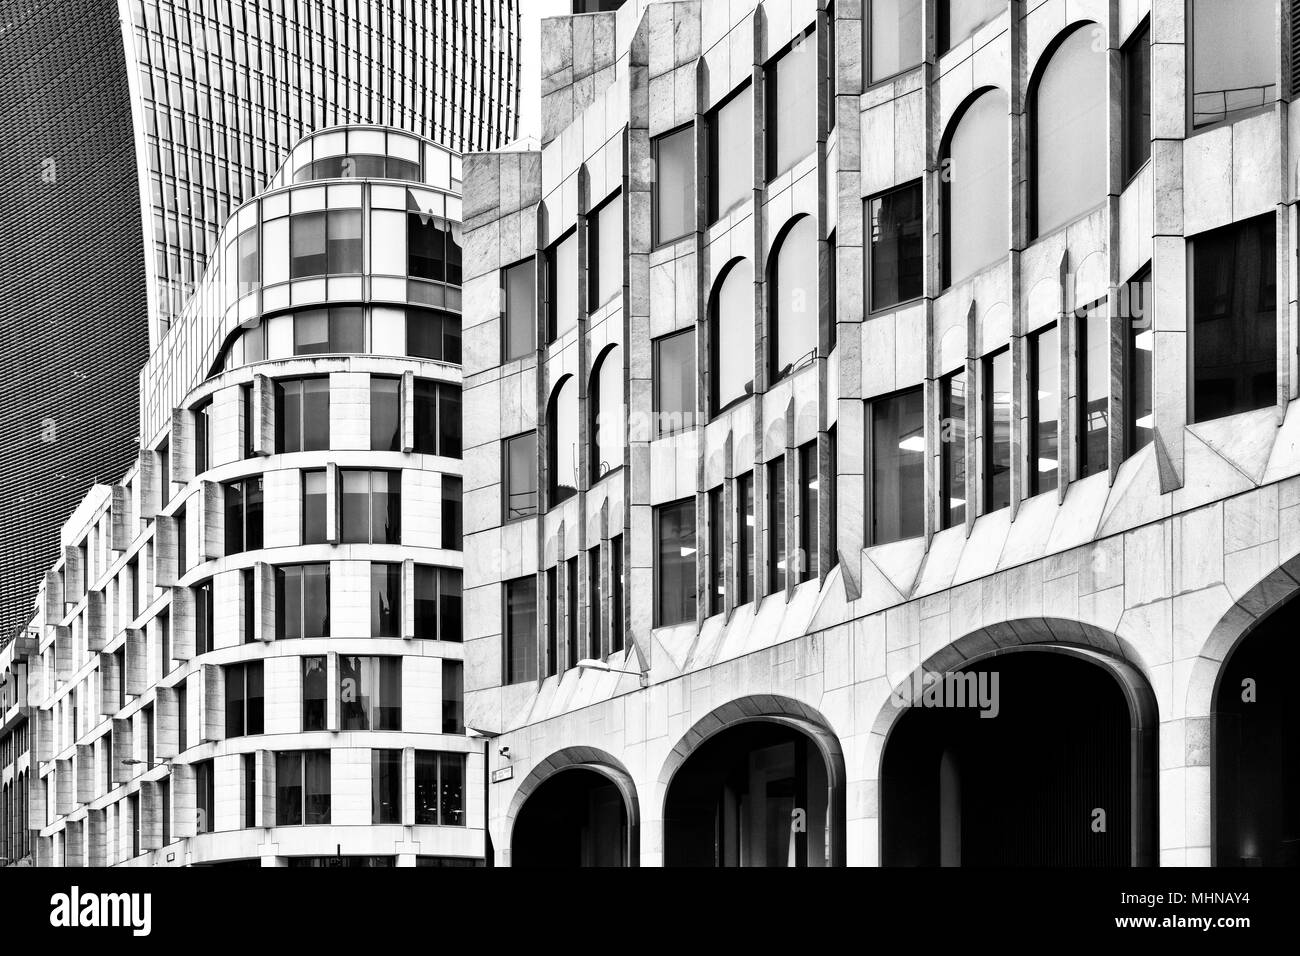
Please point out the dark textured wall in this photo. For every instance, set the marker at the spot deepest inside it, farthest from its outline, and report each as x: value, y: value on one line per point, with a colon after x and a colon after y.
x: 73, y: 322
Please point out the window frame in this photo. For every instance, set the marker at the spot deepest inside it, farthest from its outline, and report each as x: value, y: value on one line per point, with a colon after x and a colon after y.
x: 656, y: 240
x: 869, y: 258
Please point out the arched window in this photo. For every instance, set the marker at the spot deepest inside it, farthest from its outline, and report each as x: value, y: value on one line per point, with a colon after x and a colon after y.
x: 731, y: 346
x: 794, y: 318
x: 1070, y: 144
x: 976, y: 188
x: 605, y: 396
x: 562, y: 442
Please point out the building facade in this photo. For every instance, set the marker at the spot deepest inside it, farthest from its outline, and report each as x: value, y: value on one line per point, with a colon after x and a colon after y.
x: 73, y: 326
x: 136, y: 129
x: 250, y: 650
x: 880, y: 437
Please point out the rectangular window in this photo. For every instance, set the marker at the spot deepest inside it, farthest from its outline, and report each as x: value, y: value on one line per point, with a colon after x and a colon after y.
x: 180, y: 547
x: 674, y: 383
x: 674, y: 184
x: 616, y: 590
x: 439, y: 789
x: 952, y: 449
x: 452, y: 511
x: 520, y: 457
x: 1044, y: 409
x: 313, y: 507
x: 371, y: 509
x: 897, y: 466
x: 246, y: 417
x: 997, y: 430
x: 518, y: 320
x: 302, y: 601
x: 521, y: 630
x: 432, y: 251
x: 370, y: 693
x: 1139, y: 349
x: 897, y: 249
x: 325, y: 243
x: 1229, y: 77
x: 897, y: 43
x: 302, y: 788
x: 675, y: 568
x: 146, y: 718
x: 731, y: 144
x: 453, y: 697
x: 205, y: 796
x: 437, y: 419
x: 1093, y: 332
x: 201, y: 442
x: 302, y: 415
x: 1136, y: 57
x: 438, y: 603
x: 243, y: 516
x: 385, y: 786
x: 385, y: 600
x: 315, y: 691
x: 791, y: 105
x: 776, y: 556
x: 809, y: 539
x: 247, y: 585
x: 594, y: 649
x: 244, y: 701
x: 203, y: 617
x: 562, y: 286
x: 164, y: 458
x: 336, y: 330
x: 182, y: 714
x: 385, y: 414
x: 433, y: 335
x: 249, y: 273
x: 552, y: 621
x: 571, y: 609
x: 1234, y: 318
x: 249, y: 762
x: 717, y: 551
x: 605, y: 252
x: 745, y: 537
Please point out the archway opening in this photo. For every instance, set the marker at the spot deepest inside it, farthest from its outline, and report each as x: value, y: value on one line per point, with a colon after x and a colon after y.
x: 575, y: 818
x: 1257, y: 747
x: 1024, y: 759
x: 756, y: 794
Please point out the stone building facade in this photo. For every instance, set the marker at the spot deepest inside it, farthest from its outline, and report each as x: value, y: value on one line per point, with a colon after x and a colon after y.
x: 948, y: 358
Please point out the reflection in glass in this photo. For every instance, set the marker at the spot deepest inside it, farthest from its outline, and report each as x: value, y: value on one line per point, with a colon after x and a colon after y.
x: 521, y: 630
x: 675, y: 574
x: 520, y: 456
x: 674, y: 385
x: 952, y: 449
x: 897, y: 466
x: 897, y: 246
x: 370, y: 693
x: 519, y: 294
x: 1045, y: 409
x: 674, y: 184
x: 1093, y: 324
x: 897, y: 43
x: 1229, y: 74
x: 997, y: 431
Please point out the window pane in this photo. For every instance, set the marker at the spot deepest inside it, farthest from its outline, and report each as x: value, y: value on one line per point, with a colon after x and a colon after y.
x: 609, y: 255
x: 426, y: 417
x: 355, y: 507
x: 370, y: 693
x: 347, y: 329
x: 1141, y: 342
x: 426, y: 788
x: 316, y: 600
x: 451, y: 790
x: 311, y: 332
x: 717, y: 552
x: 674, y: 185
x: 897, y: 466
x: 731, y: 146
x: 562, y: 423
x: 385, y: 599
x: 976, y: 193
x: 958, y: 19
x: 674, y: 383
x: 452, y: 490
x: 1229, y: 74
x: 676, y: 566
x: 450, y: 626
x: 1234, y: 290
x: 997, y: 431
x: 1137, y: 100
x: 316, y: 787
x: 562, y: 285
x: 386, y: 507
x: 791, y: 115
x: 288, y: 418
x: 1094, y: 354
x: 1045, y: 405
x: 385, y: 414
x: 344, y: 241
x: 776, y: 524
x: 520, y: 291
x: 609, y: 427
x: 733, y: 346
x: 745, y: 526
x: 521, y: 630
x: 385, y: 786
x: 896, y: 40
x: 952, y: 449
x: 809, y: 554
x: 521, y: 476
x: 794, y: 297
x: 288, y: 789
x: 453, y: 697
x: 313, y: 507
x: 897, y: 253
x: 249, y: 273
x: 315, y: 687
x: 307, y: 242
x: 426, y: 246
x: 315, y: 414
x: 234, y: 700
x: 426, y: 603
x: 449, y: 421
x: 1070, y: 136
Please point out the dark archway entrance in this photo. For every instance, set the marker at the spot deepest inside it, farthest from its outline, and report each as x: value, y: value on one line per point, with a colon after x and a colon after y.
x: 1063, y: 775
x: 577, y: 817
x: 1257, y: 747
x: 756, y: 794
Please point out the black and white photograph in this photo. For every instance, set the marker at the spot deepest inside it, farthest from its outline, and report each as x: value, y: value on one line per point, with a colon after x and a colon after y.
x: 610, y: 434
